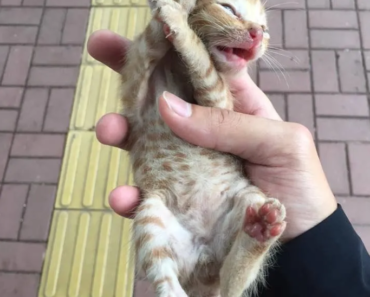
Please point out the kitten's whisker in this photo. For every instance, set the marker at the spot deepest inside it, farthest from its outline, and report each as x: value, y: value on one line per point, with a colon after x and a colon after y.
x: 271, y: 66
x: 293, y: 58
x: 277, y: 47
x: 279, y: 67
x: 292, y: 9
x: 279, y: 54
x: 281, y: 4
x: 276, y: 66
x: 279, y: 50
x: 266, y: 59
x: 277, y: 63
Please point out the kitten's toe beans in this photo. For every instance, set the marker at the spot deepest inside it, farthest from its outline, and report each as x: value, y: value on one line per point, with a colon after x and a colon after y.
x: 273, y: 211
x: 167, y: 32
x: 253, y: 229
x: 265, y: 222
x: 251, y: 215
x: 277, y: 229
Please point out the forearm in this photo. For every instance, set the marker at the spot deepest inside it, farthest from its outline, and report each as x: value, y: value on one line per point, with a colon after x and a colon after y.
x: 328, y: 260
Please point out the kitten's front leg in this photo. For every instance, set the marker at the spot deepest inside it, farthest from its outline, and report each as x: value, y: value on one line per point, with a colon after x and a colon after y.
x: 142, y: 57
x: 210, y: 89
x: 186, y: 5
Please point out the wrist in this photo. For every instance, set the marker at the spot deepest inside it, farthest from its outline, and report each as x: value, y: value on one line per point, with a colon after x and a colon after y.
x: 309, y: 218
x: 316, y: 202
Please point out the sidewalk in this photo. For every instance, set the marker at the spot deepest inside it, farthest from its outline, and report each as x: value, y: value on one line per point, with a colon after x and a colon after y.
x: 57, y: 234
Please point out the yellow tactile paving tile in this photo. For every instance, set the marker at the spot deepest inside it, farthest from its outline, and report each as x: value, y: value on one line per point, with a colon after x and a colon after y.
x: 89, y: 251
x: 90, y: 171
x: 98, y: 86
x: 89, y: 255
x: 97, y: 93
x: 126, y: 21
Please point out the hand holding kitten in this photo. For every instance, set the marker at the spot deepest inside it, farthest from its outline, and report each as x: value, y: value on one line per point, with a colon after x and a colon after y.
x: 281, y: 157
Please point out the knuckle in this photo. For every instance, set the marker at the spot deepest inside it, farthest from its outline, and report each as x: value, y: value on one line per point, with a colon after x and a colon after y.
x: 222, y: 123
x: 224, y: 117
x: 301, y: 137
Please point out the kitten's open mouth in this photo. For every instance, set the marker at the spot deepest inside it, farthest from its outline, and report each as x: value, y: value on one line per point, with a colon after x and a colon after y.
x: 229, y: 52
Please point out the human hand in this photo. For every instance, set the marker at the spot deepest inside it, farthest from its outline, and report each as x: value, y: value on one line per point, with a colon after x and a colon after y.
x: 281, y: 157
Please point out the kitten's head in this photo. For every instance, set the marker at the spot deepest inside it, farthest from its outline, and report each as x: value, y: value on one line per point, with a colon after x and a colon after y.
x: 234, y: 31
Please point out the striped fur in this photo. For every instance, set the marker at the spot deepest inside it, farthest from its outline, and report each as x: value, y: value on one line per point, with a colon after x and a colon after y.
x: 192, y: 230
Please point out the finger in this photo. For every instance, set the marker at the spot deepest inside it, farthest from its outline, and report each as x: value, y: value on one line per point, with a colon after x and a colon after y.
x: 250, y: 137
x: 108, y: 48
x: 112, y: 129
x: 124, y: 200
x: 250, y: 99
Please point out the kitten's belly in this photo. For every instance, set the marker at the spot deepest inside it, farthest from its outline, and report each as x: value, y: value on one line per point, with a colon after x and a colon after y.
x: 198, y: 182
x: 198, y: 186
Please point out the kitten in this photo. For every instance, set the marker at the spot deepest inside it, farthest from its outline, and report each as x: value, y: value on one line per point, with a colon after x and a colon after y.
x: 202, y: 228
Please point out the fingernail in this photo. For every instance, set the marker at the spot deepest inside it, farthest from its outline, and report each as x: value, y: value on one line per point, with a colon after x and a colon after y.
x: 177, y: 105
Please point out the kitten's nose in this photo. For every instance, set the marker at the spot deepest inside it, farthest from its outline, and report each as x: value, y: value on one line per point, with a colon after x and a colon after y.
x: 256, y: 33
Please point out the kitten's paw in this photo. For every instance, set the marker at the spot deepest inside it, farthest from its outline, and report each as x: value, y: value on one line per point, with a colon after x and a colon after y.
x: 167, y: 32
x: 173, y: 16
x: 266, y: 222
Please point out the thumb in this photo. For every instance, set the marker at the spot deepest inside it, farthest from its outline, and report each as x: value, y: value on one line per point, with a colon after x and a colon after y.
x: 249, y: 137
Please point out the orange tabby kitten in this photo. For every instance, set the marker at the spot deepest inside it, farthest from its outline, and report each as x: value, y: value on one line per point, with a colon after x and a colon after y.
x: 202, y: 228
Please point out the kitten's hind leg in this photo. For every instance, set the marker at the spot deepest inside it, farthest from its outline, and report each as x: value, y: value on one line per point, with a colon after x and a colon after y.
x: 260, y: 223
x: 209, y: 87
x: 154, y: 228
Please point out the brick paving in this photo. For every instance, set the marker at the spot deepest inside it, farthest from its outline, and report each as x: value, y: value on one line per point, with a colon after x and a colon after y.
x: 325, y: 86
x: 40, y: 51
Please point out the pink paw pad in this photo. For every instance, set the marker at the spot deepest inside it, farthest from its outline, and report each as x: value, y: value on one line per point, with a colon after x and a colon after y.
x: 266, y: 222
x: 167, y: 32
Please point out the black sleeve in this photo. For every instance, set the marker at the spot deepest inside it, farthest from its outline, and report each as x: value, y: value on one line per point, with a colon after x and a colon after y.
x: 330, y: 260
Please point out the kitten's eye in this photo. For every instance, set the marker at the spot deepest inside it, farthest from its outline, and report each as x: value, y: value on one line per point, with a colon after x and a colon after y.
x: 229, y: 8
